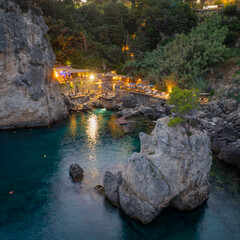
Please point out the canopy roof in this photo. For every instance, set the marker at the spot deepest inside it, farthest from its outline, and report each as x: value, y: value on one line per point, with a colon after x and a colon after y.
x: 109, y: 74
x: 71, y: 70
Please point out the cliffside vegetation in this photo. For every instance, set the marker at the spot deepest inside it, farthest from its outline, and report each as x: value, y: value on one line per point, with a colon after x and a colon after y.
x: 155, y: 39
x: 184, y: 102
x: 109, y: 33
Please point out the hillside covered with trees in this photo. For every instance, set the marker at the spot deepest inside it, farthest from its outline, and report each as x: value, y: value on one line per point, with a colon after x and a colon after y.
x: 154, y: 39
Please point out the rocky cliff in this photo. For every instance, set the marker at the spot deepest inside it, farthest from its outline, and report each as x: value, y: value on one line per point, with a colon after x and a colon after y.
x: 28, y: 96
x: 172, y: 169
x: 222, y: 121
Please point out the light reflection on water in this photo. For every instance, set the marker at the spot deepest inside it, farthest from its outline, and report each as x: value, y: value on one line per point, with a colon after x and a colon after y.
x: 92, y: 129
x: 73, y: 125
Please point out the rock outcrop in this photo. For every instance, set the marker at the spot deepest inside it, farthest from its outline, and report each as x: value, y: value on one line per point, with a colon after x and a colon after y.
x: 220, y: 118
x: 154, y: 112
x: 76, y: 172
x: 28, y: 96
x: 222, y: 121
x: 129, y: 101
x: 172, y: 169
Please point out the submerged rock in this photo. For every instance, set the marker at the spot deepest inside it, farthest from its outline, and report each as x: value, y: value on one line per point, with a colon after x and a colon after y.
x: 99, y: 189
x: 76, y: 172
x: 172, y: 169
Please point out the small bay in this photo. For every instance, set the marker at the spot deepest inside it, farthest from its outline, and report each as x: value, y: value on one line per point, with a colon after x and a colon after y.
x: 46, y: 204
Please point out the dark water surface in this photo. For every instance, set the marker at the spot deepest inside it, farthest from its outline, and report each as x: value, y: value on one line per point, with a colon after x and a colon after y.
x: 47, y: 205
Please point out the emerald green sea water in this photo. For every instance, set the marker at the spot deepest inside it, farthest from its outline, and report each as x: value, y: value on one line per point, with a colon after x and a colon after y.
x: 47, y: 205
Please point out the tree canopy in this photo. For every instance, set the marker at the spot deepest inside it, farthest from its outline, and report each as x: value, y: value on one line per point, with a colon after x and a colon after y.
x: 188, y: 56
x: 109, y: 31
x: 154, y: 39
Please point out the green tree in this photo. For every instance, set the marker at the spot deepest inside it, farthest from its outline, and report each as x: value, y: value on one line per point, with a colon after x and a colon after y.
x: 184, y: 102
x: 157, y: 20
x: 187, y: 56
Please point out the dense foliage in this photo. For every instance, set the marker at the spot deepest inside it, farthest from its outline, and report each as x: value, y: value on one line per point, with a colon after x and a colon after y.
x: 187, y: 56
x: 154, y: 39
x: 109, y: 32
x: 184, y: 102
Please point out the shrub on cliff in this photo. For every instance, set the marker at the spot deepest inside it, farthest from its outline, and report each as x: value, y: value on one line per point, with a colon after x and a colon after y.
x: 25, y: 5
x: 184, y: 102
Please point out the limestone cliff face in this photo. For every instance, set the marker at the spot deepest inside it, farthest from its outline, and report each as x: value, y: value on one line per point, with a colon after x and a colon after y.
x: 28, y: 96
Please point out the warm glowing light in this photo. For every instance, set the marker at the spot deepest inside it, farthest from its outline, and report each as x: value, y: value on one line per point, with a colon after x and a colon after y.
x: 56, y: 74
x: 170, y: 86
x: 125, y: 48
x: 139, y: 81
x: 91, y: 77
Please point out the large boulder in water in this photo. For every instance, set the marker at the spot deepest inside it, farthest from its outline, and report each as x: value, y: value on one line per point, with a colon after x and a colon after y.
x: 76, y: 172
x: 172, y: 169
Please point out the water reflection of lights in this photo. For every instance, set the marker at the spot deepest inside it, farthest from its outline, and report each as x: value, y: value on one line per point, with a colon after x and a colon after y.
x: 92, y: 129
x: 73, y: 125
x: 114, y: 128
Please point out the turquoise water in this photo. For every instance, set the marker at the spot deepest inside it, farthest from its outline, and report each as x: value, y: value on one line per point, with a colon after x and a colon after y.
x: 46, y: 204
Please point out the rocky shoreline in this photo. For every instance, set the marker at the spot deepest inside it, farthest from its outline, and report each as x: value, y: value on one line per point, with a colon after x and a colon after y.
x: 221, y: 119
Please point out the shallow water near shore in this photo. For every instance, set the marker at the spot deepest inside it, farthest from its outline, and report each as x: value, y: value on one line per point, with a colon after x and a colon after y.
x: 46, y: 204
